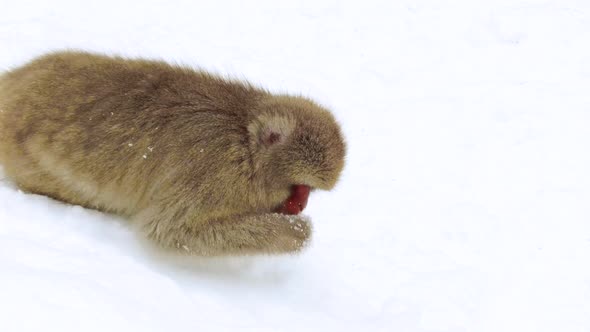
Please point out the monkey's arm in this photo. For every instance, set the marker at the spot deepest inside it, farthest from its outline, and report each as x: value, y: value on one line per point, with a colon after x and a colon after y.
x: 270, y: 233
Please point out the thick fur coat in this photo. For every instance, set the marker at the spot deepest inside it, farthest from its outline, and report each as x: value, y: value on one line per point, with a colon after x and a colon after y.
x: 197, y: 162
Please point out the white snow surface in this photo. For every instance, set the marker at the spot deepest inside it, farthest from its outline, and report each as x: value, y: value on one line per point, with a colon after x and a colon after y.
x: 464, y: 205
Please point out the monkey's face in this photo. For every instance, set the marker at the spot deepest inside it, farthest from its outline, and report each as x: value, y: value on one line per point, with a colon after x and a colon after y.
x: 297, y: 201
x: 298, y: 147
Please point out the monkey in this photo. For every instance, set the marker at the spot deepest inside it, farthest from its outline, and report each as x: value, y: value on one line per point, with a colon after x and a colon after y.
x: 198, y: 163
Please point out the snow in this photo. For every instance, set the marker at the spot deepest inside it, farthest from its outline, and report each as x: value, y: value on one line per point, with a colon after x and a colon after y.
x: 463, y: 205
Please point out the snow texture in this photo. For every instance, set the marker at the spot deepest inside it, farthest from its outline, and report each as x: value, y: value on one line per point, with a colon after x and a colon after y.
x: 464, y: 205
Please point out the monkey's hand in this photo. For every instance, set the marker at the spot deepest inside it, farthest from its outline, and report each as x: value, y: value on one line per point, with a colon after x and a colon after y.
x: 270, y: 233
x: 279, y: 233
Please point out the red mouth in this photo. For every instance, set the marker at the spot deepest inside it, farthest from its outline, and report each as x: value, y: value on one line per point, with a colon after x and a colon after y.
x: 297, y: 201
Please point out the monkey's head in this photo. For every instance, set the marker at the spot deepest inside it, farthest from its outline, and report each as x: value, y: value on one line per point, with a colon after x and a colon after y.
x: 295, y: 142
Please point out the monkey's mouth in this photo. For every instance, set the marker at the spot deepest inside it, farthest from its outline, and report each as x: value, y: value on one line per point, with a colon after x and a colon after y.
x: 297, y: 201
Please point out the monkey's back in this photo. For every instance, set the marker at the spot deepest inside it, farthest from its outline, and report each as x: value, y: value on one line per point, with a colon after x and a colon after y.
x: 109, y: 133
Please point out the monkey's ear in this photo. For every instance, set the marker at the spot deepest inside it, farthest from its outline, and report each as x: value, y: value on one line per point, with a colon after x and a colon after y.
x: 271, y: 137
x: 270, y: 130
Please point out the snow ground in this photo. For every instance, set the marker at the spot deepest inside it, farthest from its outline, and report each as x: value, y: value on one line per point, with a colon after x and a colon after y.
x: 463, y: 207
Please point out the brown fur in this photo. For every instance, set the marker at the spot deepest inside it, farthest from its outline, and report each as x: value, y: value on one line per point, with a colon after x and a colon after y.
x: 195, y: 161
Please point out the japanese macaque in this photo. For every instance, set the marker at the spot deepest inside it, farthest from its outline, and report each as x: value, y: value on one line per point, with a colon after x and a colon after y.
x: 198, y: 163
